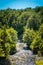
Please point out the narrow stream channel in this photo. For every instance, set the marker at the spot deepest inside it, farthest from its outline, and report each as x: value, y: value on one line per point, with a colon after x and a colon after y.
x: 23, y: 56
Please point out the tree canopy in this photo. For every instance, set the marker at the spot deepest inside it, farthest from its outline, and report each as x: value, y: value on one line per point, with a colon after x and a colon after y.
x: 25, y: 23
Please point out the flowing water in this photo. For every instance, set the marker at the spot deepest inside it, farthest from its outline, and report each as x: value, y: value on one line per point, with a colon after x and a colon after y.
x: 23, y: 56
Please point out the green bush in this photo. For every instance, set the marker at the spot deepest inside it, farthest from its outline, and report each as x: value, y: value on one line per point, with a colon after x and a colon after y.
x: 37, y: 45
x: 8, y: 38
x: 39, y: 62
x: 34, y: 22
x: 28, y: 36
x: 41, y: 30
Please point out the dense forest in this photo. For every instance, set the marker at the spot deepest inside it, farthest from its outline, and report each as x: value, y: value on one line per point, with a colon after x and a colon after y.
x: 21, y: 24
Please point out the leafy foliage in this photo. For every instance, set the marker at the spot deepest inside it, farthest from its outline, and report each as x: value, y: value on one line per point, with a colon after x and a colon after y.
x: 39, y: 62
x: 13, y: 22
x: 28, y: 36
x: 8, y: 38
x: 38, y: 42
x: 34, y: 22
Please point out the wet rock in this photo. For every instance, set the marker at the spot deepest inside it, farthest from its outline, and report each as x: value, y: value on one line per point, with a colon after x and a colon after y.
x: 23, y: 57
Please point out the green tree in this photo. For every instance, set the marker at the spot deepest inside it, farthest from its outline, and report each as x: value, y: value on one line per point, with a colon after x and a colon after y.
x: 34, y: 22
x: 37, y: 45
x: 8, y: 38
x: 28, y: 36
x: 12, y: 39
x: 41, y: 30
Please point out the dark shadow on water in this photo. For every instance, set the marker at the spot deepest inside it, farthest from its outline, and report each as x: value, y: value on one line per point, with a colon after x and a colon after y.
x: 26, y: 48
x: 4, y: 61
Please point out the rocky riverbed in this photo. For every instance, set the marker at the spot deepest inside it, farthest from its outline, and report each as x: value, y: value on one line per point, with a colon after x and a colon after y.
x: 23, y: 56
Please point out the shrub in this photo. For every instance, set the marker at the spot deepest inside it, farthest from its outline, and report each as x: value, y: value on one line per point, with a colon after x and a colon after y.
x: 8, y: 38
x: 28, y: 36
